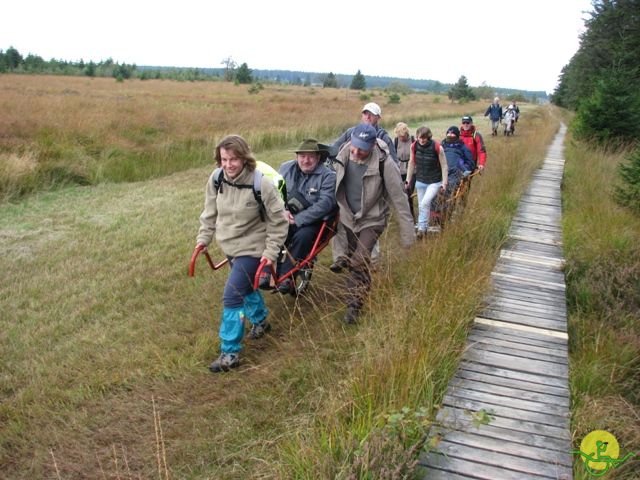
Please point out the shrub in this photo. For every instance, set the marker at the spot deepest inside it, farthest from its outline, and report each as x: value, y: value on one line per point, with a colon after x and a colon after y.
x: 365, y: 97
x: 394, y: 98
x: 628, y: 194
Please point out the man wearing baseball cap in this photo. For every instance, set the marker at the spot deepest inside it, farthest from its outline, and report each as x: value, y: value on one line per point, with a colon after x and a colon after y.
x: 367, y: 181
x: 370, y: 115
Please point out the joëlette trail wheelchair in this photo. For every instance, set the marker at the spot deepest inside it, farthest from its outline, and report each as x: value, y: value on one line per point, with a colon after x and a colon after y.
x: 301, y: 271
x: 450, y: 204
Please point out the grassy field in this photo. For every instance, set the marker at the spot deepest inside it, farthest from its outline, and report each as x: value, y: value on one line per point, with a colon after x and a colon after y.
x: 105, y: 340
x: 602, y: 248
x: 59, y: 131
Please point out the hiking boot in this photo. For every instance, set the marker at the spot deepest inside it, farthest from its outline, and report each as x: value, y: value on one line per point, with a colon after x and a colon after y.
x: 339, y: 265
x: 420, y: 234
x: 351, y: 315
x: 225, y: 362
x: 258, y: 330
x: 286, y: 286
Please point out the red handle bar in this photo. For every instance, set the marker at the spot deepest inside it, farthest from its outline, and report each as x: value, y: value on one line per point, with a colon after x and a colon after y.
x: 192, y: 264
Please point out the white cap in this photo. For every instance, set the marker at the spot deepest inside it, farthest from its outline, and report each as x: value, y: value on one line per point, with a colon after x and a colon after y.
x: 373, y: 108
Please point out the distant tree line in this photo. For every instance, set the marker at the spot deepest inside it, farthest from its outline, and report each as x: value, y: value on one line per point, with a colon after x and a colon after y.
x: 11, y: 61
x: 600, y: 83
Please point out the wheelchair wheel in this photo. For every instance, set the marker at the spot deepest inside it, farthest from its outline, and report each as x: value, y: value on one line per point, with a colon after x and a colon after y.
x: 302, y: 279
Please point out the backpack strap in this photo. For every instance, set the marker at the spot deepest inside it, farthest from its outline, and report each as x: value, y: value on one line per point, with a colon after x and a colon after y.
x: 219, y: 180
x: 257, y: 193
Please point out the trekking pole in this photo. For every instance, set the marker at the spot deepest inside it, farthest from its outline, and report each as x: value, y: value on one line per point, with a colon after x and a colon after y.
x: 200, y: 248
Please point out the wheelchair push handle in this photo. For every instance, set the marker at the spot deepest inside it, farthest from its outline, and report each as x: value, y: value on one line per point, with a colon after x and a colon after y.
x: 256, y: 279
x: 197, y: 251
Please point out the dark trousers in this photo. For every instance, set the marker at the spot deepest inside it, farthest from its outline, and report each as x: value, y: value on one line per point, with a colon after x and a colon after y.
x: 240, y: 280
x: 299, y: 243
x: 359, y: 250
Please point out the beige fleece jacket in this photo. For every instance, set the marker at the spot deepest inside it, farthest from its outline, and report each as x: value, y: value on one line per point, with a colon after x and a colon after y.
x: 232, y: 215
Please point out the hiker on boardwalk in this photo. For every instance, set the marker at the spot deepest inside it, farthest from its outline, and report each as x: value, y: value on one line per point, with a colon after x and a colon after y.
x: 371, y: 114
x: 367, y: 182
x: 459, y: 159
x: 429, y: 165
x: 311, y: 197
x: 248, y: 232
x: 494, y: 112
x: 402, y: 143
x: 474, y: 142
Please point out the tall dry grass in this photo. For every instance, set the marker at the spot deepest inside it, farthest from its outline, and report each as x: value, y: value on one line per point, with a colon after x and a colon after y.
x: 59, y: 131
x: 602, y: 249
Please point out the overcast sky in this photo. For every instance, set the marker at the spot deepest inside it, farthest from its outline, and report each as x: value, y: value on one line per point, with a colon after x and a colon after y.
x: 505, y: 43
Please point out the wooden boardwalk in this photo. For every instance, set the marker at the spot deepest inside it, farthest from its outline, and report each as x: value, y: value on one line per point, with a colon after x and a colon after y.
x: 515, y: 370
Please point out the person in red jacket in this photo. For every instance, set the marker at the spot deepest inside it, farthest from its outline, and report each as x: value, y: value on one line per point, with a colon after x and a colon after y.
x: 474, y: 142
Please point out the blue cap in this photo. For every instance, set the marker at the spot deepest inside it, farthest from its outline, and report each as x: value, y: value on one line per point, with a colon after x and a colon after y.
x: 363, y: 136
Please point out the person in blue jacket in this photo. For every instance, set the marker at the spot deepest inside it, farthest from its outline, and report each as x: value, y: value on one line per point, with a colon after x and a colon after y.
x: 459, y: 158
x: 310, y: 198
x: 494, y: 112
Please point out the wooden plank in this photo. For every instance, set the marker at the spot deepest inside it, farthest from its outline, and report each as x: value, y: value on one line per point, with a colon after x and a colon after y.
x: 505, y: 287
x: 558, y: 355
x: 526, y: 336
x: 537, y: 271
x: 520, y: 304
x: 533, y: 272
x: 524, y: 281
x: 520, y: 319
x: 532, y: 259
x: 510, y: 392
x: 515, y: 352
x: 540, y: 200
x: 535, y: 291
x: 513, y: 372
x: 551, y: 251
x: 515, y: 294
x: 471, y: 469
x: 524, y: 450
x: 520, y: 327
x: 499, y: 360
x: 536, y: 469
x: 520, y: 404
x: 492, y: 381
x: 511, y: 335
x: 507, y: 412
x: 544, y: 226
x: 530, y: 310
x: 464, y: 422
x: 435, y: 474
x: 521, y: 300
x: 459, y: 418
x: 529, y: 238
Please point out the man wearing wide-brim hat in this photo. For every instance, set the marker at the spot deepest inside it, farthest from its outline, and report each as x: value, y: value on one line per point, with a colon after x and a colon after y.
x: 310, y: 198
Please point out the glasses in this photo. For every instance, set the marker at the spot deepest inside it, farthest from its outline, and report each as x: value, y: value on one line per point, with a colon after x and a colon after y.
x: 466, y: 123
